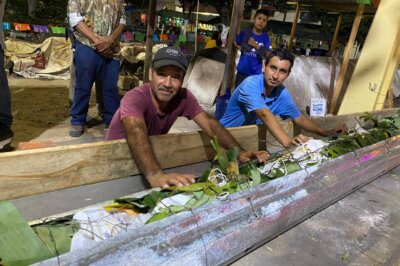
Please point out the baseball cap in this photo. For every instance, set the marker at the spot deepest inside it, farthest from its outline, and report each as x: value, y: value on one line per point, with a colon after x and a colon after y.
x: 170, y: 56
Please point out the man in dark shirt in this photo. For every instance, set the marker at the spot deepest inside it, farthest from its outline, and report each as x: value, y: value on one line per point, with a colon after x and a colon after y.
x: 152, y: 109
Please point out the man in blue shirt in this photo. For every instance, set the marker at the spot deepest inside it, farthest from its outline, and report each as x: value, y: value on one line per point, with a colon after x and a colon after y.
x: 260, y: 97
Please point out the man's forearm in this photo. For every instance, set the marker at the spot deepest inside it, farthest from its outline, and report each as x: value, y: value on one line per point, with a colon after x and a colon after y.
x: 142, y: 152
x: 117, y: 32
x: 274, y: 127
x: 83, y: 29
x: 307, y: 124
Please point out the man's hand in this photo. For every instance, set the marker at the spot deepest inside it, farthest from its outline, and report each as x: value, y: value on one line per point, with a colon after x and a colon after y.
x: 300, y: 139
x: 246, y: 156
x: 102, y: 44
x: 341, y: 129
x: 165, y: 180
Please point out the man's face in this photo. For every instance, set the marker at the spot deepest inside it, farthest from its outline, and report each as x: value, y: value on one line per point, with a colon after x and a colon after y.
x: 165, y: 82
x: 276, y: 71
x: 260, y: 22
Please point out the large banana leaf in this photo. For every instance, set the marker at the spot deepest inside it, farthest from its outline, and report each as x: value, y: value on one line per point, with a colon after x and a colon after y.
x: 19, y: 245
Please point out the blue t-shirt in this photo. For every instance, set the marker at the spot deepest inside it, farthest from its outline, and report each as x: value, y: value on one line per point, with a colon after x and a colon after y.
x: 249, y: 62
x: 249, y: 96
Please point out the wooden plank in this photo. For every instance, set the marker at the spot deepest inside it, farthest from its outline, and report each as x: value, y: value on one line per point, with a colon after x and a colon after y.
x: 334, y: 39
x: 237, y: 13
x: 32, y: 172
x: 385, y: 90
x: 294, y: 26
x: 346, y: 57
x: 374, y: 69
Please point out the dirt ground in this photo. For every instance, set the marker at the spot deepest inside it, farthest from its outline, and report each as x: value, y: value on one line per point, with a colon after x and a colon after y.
x: 36, y: 110
x: 37, y: 105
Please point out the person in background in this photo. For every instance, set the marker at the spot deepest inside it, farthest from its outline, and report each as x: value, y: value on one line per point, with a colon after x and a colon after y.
x: 6, y: 118
x: 254, y: 44
x: 151, y: 109
x: 72, y: 79
x: 259, y: 98
x: 97, y: 26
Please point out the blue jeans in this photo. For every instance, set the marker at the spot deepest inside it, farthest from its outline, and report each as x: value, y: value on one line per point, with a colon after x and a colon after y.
x: 5, y: 96
x: 90, y: 65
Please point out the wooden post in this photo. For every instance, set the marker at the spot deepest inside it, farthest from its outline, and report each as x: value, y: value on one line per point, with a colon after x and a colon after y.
x: 375, y: 68
x: 236, y: 19
x: 334, y: 39
x: 389, y: 98
x: 262, y: 138
x: 388, y: 77
x: 294, y: 26
x: 346, y: 57
x: 149, y: 40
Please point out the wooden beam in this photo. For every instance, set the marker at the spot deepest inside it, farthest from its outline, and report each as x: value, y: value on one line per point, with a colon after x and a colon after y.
x: 294, y: 26
x: 334, y: 39
x: 334, y: 106
x: 236, y: 19
x: 149, y: 40
x: 32, y: 172
x: 376, y: 66
x: 388, y: 76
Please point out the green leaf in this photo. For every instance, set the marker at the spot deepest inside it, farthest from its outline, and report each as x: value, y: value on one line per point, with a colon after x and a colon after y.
x: 151, y: 199
x: 200, y: 199
x: 157, y: 217
x: 19, y: 245
x: 232, y: 154
x: 204, y: 177
x: 256, y: 177
x: 193, y: 187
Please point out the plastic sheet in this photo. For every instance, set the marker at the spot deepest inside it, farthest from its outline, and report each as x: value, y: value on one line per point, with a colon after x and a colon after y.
x: 315, y: 77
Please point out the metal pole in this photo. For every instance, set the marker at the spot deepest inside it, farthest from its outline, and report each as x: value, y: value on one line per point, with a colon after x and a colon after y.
x: 197, y: 22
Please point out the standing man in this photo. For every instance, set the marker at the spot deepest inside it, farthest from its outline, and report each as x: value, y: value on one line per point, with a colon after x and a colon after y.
x: 151, y: 109
x: 254, y: 44
x: 6, y: 118
x: 259, y: 98
x: 97, y: 25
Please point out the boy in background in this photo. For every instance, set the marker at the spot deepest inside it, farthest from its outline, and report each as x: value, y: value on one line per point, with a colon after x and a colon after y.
x: 254, y: 45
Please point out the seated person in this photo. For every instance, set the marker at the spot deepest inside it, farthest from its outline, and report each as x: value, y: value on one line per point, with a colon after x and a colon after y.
x: 151, y: 109
x: 260, y: 97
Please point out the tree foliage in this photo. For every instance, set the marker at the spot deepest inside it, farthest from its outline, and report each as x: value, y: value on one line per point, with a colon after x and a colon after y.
x: 51, y: 12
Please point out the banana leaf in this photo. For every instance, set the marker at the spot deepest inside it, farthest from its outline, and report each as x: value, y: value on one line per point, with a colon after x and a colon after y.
x: 57, y: 237
x: 19, y: 244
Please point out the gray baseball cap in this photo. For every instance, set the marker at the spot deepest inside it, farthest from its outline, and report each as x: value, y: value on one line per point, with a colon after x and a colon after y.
x: 170, y: 56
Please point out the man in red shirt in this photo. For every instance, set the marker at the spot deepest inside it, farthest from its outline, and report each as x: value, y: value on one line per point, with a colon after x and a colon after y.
x: 151, y: 109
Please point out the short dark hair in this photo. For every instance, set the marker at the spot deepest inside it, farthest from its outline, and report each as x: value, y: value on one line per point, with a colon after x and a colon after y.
x: 282, y: 54
x: 262, y: 11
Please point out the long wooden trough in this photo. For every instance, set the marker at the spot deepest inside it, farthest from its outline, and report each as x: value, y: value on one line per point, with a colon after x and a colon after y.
x: 222, y: 231
x: 216, y: 233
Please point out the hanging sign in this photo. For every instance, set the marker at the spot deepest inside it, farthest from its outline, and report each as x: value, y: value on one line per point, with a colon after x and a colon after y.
x: 40, y: 28
x: 6, y: 26
x: 58, y: 30
x: 22, y: 27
